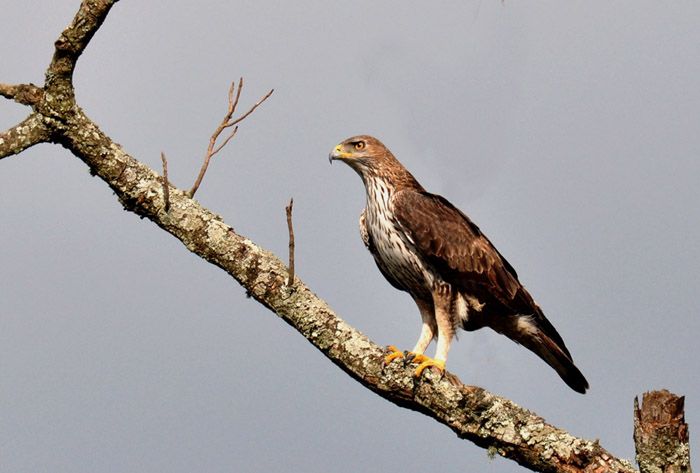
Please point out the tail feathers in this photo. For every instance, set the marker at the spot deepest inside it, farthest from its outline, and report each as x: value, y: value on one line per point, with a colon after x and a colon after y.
x: 526, y: 331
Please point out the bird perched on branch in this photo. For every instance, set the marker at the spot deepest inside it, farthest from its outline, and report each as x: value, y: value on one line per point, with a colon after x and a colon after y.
x: 427, y: 247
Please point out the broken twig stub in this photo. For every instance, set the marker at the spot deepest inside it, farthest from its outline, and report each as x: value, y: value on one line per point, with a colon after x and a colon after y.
x: 290, y: 227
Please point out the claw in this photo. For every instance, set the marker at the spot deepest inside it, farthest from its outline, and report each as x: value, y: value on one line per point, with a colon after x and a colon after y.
x: 417, y: 357
x: 394, y: 354
x: 426, y: 362
x: 410, y: 357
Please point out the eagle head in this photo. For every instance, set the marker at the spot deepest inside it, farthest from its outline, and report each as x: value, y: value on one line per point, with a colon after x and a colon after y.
x: 365, y: 154
x: 373, y: 162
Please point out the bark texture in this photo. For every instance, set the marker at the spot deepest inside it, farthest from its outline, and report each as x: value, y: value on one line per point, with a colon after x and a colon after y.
x: 661, y: 434
x: 25, y: 134
x: 472, y: 413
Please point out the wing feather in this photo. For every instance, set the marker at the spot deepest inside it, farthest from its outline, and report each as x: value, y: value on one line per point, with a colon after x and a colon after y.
x: 448, y: 240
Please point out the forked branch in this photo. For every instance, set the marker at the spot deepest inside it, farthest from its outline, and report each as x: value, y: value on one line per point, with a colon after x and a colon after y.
x: 227, y: 122
x: 38, y: 126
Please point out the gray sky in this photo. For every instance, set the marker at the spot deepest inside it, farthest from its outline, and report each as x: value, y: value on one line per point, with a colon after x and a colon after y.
x: 567, y: 131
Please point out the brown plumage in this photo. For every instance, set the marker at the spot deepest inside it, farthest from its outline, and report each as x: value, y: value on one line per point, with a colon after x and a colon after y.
x: 427, y: 247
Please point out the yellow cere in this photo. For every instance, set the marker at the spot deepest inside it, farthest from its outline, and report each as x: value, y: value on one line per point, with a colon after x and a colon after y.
x: 339, y: 152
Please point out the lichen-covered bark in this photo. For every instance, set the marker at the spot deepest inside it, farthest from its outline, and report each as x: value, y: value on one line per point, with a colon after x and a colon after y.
x: 661, y: 434
x: 472, y: 413
x: 23, y: 135
x: 71, y: 44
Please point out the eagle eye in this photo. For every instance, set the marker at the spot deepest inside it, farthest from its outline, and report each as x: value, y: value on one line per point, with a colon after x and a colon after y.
x: 359, y: 145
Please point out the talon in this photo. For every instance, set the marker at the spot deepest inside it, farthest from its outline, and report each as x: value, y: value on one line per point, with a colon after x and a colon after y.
x: 412, y: 357
x: 429, y: 362
x: 394, y: 354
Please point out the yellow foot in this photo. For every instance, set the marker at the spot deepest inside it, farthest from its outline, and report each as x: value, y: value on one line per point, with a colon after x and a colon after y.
x: 413, y: 357
x: 426, y: 362
x: 394, y: 354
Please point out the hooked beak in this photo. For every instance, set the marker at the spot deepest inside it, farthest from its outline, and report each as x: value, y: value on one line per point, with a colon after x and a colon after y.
x: 338, y: 153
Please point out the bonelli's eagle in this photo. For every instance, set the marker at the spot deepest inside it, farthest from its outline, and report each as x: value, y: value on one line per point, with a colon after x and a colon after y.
x: 427, y: 247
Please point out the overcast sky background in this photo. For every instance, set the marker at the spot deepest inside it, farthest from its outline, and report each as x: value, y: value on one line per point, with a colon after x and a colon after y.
x: 569, y: 131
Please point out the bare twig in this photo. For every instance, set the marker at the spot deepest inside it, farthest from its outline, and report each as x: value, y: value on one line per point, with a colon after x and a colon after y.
x: 227, y: 122
x: 252, y: 109
x: 166, y: 184
x: 218, y: 148
x: 290, y: 227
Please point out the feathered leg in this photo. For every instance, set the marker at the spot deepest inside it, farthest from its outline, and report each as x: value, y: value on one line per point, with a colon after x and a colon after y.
x: 442, y: 302
x: 428, y: 329
x: 427, y: 333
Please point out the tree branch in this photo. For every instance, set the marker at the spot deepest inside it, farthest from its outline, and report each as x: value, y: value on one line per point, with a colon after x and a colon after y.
x: 73, y: 41
x: 27, y: 133
x: 25, y: 94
